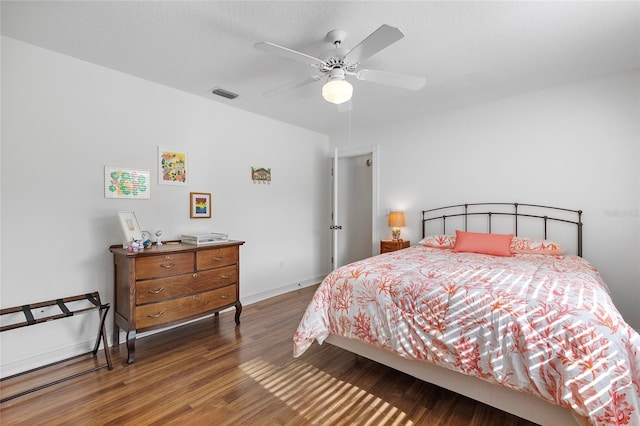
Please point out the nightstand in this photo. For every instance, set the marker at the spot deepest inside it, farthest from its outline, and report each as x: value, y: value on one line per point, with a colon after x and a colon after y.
x: 392, y: 245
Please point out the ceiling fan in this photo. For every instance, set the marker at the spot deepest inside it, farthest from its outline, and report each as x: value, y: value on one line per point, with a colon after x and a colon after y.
x: 338, y: 63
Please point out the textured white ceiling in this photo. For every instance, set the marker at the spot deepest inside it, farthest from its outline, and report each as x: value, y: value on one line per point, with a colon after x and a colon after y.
x: 468, y: 51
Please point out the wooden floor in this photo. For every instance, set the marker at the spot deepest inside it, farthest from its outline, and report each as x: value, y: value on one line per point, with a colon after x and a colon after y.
x: 214, y: 373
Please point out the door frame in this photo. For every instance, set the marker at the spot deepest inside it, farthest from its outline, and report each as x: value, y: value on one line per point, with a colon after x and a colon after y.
x: 373, y: 150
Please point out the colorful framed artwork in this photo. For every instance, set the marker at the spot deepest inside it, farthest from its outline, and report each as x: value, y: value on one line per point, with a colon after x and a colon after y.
x: 200, y: 204
x: 173, y: 167
x: 120, y: 182
x: 130, y: 226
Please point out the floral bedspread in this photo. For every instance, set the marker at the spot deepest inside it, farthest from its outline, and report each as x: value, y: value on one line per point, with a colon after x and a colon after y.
x: 539, y: 324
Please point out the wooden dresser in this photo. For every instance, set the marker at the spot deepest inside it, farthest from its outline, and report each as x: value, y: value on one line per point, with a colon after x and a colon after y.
x: 167, y: 284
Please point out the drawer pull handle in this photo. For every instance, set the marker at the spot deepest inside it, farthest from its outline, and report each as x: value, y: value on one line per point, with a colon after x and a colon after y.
x: 225, y: 276
x: 168, y: 265
x: 161, y: 289
x: 218, y: 258
x: 222, y: 296
x: 158, y: 315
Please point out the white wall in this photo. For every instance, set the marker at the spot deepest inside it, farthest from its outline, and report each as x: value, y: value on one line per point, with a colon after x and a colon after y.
x: 63, y: 120
x: 575, y: 146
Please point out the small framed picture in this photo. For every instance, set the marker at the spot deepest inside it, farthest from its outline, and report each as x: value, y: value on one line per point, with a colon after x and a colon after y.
x: 130, y: 226
x: 200, y: 204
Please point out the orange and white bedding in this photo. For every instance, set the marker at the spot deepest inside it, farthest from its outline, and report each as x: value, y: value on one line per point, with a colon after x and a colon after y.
x: 534, y: 323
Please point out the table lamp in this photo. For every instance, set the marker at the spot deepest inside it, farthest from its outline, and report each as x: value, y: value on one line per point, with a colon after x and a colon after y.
x: 396, y: 221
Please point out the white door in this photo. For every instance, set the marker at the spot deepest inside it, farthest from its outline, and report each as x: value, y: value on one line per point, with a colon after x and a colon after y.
x: 335, y: 220
x: 354, y: 202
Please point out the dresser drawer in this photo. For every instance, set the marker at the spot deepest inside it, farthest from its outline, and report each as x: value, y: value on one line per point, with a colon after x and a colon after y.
x: 159, y: 289
x: 219, y: 277
x: 177, y: 309
x: 216, y: 257
x: 164, y: 265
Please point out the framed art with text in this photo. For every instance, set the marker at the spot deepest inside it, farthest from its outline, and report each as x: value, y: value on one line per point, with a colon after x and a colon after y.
x: 120, y: 182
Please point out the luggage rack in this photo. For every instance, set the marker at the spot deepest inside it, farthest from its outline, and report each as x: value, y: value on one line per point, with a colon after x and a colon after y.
x: 64, y: 311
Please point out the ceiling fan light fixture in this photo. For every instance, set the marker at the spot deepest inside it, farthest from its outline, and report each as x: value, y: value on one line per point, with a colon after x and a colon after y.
x: 337, y: 90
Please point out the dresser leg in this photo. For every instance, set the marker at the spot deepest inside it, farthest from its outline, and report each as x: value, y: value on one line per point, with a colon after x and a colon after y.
x: 116, y: 336
x: 131, y: 346
x: 238, y: 311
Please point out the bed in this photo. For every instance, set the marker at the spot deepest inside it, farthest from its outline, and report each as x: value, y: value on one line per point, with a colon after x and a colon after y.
x: 489, y: 306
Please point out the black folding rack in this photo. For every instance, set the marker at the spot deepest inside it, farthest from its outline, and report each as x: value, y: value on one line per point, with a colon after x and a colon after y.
x: 30, y: 319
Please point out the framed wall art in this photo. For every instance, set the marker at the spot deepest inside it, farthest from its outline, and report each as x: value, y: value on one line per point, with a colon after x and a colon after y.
x: 261, y: 174
x: 173, y: 168
x: 200, y: 205
x: 120, y: 182
x: 130, y: 226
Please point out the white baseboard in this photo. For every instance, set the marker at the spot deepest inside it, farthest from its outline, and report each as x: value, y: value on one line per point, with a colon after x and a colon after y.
x: 248, y: 300
x: 46, y: 357
x: 281, y: 290
x: 60, y: 353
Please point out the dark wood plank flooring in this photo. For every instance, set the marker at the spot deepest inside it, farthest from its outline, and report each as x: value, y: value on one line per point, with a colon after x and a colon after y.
x: 213, y: 373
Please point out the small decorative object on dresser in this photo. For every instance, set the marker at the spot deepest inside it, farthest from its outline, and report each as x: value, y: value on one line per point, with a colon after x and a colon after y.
x: 392, y: 245
x: 172, y: 283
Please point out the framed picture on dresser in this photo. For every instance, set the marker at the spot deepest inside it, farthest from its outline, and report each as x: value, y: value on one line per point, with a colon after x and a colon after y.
x: 130, y: 226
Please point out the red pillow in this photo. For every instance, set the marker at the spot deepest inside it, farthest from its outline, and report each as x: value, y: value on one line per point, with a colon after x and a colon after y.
x: 493, y: 244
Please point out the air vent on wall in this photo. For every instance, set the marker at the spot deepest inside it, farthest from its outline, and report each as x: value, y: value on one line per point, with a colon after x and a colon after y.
x: 224, y: 93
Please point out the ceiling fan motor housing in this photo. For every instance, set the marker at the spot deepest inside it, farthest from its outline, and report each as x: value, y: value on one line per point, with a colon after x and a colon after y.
x: 336, y: 74
x: 334, y: 58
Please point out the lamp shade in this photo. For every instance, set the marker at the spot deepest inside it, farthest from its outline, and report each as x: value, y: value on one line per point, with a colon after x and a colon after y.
x: 337, y: 91
x: 396, y: 219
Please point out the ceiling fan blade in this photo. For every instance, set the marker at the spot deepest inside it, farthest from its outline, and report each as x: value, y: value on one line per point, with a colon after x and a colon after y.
x: 375, y: 42
x: 279, y: 90
x: 392, y: 79
x: 265, y: 46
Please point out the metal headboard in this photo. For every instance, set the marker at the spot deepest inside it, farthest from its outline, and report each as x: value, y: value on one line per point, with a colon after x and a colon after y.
x: 464, y: 212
